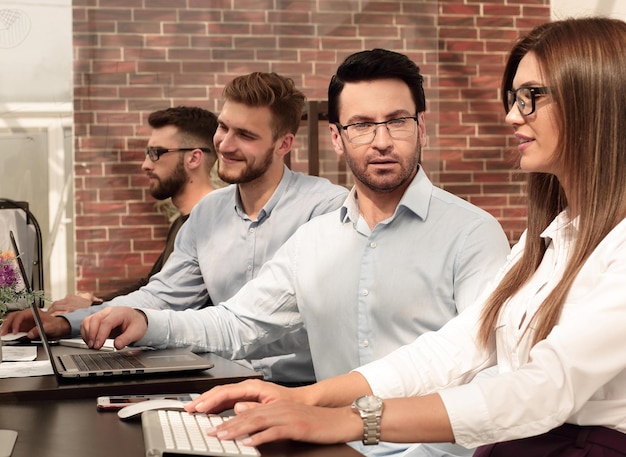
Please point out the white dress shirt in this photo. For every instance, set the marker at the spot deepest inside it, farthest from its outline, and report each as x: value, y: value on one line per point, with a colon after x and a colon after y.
x: 576, y: 375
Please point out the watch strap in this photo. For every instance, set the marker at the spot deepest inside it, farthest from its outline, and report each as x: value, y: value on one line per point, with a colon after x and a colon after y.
x: 371, y: 429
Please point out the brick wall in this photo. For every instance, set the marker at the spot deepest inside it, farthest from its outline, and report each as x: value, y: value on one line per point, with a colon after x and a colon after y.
x: 132, y: 57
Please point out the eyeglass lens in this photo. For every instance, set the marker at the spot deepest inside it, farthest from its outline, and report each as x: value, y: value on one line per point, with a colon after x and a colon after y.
x: 365, y: 132
x: 525, y: 98
x: 153, y: 153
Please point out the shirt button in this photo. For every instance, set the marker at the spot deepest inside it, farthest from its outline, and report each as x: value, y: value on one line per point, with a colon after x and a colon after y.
x: 365, y: 292
x: 251, y: 230
x: 249, y: 268
x: 373, y: 244
x: 365, y: 344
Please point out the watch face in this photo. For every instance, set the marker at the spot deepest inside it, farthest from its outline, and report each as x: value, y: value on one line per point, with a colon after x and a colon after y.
x: 369, y: 403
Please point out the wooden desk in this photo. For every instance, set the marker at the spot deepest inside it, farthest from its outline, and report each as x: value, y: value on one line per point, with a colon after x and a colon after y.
x: 74, y: 428
x: 48, y: 387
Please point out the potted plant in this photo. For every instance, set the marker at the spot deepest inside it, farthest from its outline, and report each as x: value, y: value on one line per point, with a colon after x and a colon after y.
x: 13, y: 294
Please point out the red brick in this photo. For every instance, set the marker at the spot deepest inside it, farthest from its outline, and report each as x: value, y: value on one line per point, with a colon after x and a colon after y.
x: 158, y: 67
x: 157, y: 15
x: 127, y: 40
x: 199, y: 14
x: 109, y: 14
x: 142, y: 219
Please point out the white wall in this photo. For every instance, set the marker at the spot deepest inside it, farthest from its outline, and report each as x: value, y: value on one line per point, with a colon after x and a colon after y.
x: 36, y: 51
x: 36, y: 124
x: 575, y: 8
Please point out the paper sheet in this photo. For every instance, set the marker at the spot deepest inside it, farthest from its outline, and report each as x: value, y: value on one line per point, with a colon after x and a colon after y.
x: 19, y: 353
x: 79, y: 343
x: 19, y: 362
x: 25, y: 369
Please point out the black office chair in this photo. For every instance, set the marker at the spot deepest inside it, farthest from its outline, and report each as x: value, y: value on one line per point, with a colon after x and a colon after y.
x: 37, y: 279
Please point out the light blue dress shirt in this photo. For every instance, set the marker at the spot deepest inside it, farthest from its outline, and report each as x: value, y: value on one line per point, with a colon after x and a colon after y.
x: 361, y: 293
x: 219, y: 249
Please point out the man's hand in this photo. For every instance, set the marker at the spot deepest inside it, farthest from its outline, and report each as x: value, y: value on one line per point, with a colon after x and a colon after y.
x: 127, y: 325
x: 71, y: 303
x: 255, y: 391
x: 24, y: 321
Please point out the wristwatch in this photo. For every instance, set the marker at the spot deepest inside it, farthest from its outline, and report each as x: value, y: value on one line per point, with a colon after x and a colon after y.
x: 370, y: 408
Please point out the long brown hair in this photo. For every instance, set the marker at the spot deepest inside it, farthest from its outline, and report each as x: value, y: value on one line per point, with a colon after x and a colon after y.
x: 584, y: 61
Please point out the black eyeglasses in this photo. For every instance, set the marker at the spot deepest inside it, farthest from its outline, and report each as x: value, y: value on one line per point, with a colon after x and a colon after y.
x: 154, y: 153
x: 365, y: 132
x: 524, y: 98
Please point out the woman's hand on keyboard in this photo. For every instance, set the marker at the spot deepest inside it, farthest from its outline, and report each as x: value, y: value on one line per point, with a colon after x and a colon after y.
x: 248, y: 392
x: 281, y: 420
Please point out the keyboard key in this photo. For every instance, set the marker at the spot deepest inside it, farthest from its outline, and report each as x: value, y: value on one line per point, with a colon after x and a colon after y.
x: 107, y: 361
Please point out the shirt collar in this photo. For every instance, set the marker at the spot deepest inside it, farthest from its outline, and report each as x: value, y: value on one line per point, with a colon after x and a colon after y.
x: 561, y: 227
x: 282, y: 187
x: 416, y: 199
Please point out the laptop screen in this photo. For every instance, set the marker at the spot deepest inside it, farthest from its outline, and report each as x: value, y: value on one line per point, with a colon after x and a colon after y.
x: 33, y: 304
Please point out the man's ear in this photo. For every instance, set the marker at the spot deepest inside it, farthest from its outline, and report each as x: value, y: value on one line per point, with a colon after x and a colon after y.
x: 195, y: 159
x: 336, y: 139
x: 421, y: 126
x: 284, y: 145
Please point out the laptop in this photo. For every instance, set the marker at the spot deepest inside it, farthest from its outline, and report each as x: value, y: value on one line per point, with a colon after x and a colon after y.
x: 89, y: 363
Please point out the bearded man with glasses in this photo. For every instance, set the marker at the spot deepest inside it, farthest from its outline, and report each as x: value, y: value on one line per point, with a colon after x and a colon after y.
x: 183, y: 177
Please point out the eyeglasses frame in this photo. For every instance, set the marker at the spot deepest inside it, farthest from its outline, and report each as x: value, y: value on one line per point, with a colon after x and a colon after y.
x: 376, y: 124
x: 534, y: 91
x: 155, y: 153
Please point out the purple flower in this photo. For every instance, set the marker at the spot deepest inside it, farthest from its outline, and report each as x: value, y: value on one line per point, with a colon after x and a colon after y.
x: 8, y: 275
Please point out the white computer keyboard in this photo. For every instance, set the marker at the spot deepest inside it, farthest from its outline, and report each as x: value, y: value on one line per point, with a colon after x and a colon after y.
x: 182, y: 433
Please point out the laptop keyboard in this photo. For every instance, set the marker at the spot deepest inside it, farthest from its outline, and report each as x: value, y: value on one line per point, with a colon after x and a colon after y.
x: 183, y: 432
x: 106, y: 361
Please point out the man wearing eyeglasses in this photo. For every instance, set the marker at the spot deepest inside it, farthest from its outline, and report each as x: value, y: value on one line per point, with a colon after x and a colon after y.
x: 183, y: 135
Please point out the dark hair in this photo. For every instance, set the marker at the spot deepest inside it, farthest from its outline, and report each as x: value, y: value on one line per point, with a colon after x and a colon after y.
x: 196, y: 125
x: 372, y: 65
x: 584, y: 64
x: 273, y: 91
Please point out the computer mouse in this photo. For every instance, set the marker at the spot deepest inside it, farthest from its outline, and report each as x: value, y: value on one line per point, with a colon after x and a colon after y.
x: 135, y: 410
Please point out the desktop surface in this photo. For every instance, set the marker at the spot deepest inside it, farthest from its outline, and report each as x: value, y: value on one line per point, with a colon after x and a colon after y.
x: 74, y: 427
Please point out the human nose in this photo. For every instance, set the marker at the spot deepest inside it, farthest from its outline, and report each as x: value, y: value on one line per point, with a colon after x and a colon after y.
x: 381, y: 138
x: 514, y: 116
x: 221, y: 140
x: 147, y: 163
